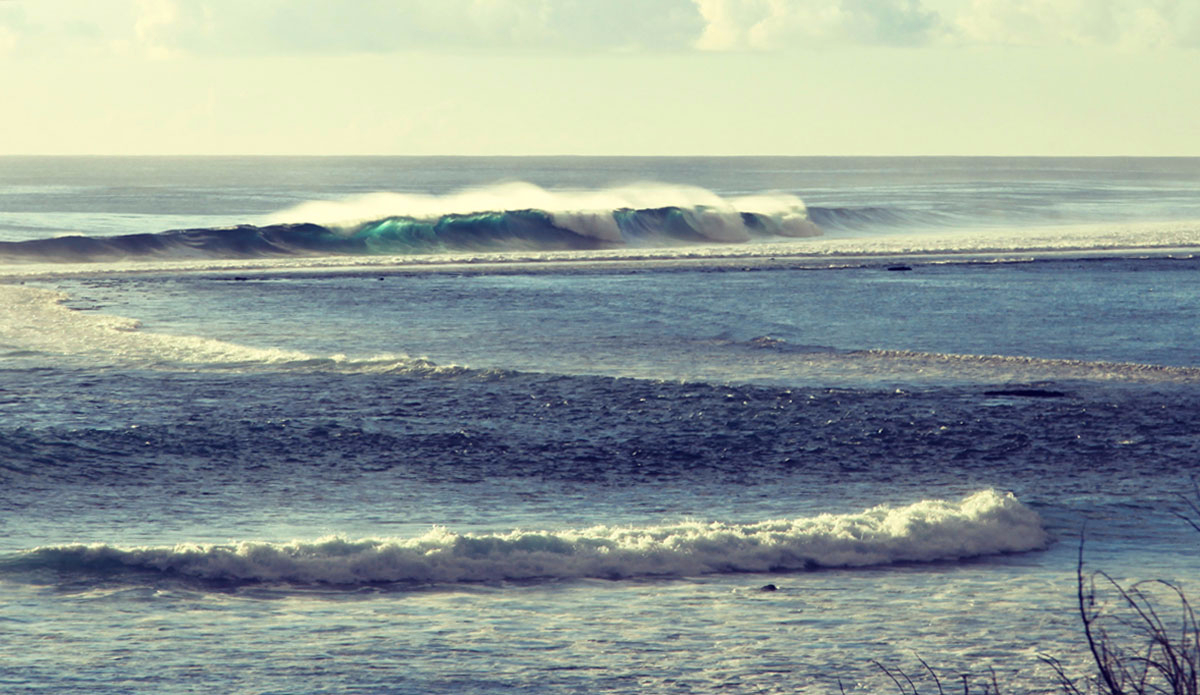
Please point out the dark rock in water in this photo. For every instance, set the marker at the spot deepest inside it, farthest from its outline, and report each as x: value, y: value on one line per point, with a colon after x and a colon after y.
x: 1026, y: 393
x: 768, y: 587
x: 901, y: 268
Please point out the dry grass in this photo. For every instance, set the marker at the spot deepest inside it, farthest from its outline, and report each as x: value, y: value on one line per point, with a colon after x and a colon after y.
x: 1142, y: 638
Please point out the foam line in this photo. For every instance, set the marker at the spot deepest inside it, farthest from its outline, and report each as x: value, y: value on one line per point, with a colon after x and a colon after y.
x: 35, y: 320
x: 985, y: 523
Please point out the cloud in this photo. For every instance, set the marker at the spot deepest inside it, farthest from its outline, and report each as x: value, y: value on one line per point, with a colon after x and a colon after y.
x: 171, y: 28
x: 155, y: 16
x: 783, y: 24
x: 366, y: 26
x: 780, y: 24
x: 8, y: 40
x: 372, y: 26
x: 1133, y: 24
x: 13, y: 27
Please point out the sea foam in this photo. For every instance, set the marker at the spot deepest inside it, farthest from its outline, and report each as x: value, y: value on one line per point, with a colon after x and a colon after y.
x: 562, y: 205
x: 35, y: 320
x: 985, y: 523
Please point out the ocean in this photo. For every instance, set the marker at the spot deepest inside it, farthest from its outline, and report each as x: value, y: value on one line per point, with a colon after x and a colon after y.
x: 586, y: 425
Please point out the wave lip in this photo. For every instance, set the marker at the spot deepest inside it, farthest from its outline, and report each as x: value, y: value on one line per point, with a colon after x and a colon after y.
x: 985, y: 523
x: 507, y: 217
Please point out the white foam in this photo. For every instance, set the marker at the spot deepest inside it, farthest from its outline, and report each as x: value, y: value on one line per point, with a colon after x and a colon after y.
x: 36, y: 320
x: 586, y: 212
x: 998, y: 368
x: 985, y: 523
x: 1025, y: 239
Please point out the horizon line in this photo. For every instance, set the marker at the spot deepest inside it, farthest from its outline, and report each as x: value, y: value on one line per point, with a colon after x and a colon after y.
x: 262, y: 155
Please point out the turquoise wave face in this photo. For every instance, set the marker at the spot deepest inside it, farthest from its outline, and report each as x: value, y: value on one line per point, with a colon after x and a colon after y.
x: 509, y: 230
x: 484, y: 231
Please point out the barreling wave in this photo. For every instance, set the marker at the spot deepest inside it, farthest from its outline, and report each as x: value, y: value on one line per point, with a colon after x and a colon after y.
x: 985, y: 523
x: 509, y: 217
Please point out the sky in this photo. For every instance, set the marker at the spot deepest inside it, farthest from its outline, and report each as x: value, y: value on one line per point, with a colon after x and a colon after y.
x: 600, y: 77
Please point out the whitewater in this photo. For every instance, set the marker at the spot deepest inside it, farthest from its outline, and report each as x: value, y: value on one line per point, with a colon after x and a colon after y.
x: 623, y: 425
x: 985, y: 523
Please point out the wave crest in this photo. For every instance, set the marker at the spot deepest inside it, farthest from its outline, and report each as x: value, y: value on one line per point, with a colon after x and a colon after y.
x: 508, y: 217
x: 985, y: 523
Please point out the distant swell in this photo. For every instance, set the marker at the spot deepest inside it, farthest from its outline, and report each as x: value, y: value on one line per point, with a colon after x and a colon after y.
x: 985, y: 523
x: 390, y: 224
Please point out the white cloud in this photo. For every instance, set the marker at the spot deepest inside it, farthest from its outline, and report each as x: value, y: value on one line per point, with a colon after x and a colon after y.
x: 626, y: 24
x: 732, y: 24
x: 1132, y: 24
x: 168, y: 28
x: 781, y: 24
x: 13, y: 26
x: 778, y: 24
x: 164, y: 28
x: 8, y: 40
x: 155, y: 20
x: 366, y: 26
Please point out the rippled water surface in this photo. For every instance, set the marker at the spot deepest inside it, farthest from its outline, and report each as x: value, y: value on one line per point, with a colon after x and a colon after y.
x: 712, y: 470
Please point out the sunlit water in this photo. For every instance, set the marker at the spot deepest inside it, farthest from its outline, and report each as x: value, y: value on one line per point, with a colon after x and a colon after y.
x: 540, y: 472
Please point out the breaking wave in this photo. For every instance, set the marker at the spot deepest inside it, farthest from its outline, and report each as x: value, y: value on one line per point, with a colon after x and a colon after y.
x: 985, y: 523
x: 507, y: 217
